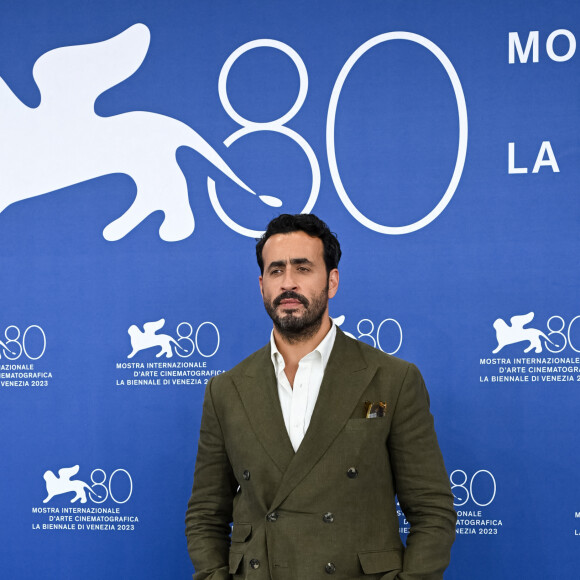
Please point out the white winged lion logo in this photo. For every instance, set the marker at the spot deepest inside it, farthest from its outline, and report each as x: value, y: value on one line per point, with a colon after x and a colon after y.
x: 63, y: 141
x: 515, y: 332
x: 64, y: 484
x: 147, y: 338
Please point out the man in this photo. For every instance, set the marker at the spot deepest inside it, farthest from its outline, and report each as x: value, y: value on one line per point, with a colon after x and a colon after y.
x: 304, y: 444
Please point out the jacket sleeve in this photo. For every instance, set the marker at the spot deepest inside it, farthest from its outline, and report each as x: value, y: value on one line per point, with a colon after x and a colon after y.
x: 421, y: 483
x: 209, y: 511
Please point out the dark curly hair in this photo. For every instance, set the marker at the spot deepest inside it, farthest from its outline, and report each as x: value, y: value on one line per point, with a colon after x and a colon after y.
x: 309, y: 224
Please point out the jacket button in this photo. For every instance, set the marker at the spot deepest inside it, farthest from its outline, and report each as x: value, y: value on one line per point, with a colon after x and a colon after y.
x: 328, y: 518
x: 352, y: 472
x: 246, y: 475
x: 272, y: 517
x: 254, y: 564
x: 330, y: 568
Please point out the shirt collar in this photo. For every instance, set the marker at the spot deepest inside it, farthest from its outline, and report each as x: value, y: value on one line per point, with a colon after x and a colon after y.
x: 324, y: 349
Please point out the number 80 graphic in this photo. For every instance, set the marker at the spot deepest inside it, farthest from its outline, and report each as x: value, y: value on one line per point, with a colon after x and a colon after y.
x: 279, y: 126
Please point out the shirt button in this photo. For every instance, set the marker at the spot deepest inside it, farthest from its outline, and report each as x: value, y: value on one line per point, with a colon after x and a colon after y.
x: 272, y: 517
x: 352, y: 472
x: 246, y: 475
x: 328, y: 518
x: 330, y: 568
x: 254, y: 564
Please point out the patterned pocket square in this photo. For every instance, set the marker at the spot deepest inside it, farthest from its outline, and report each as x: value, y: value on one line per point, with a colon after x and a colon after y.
x: 375, y: 410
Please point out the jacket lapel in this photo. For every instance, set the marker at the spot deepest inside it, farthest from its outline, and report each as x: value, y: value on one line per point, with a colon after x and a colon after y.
x: 346, y: 377
x: 257, y: 388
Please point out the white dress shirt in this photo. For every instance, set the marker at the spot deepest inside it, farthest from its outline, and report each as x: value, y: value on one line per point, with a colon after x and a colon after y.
x: 298, y: 403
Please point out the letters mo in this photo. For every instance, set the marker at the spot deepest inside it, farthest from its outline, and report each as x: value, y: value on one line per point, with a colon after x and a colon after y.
x: 533, y: 46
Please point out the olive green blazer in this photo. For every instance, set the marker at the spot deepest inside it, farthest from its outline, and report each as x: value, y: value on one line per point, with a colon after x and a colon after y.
x: 329, y: 509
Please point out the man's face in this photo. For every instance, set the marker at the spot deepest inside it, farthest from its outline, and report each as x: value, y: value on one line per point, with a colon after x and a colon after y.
x: 295, y: 285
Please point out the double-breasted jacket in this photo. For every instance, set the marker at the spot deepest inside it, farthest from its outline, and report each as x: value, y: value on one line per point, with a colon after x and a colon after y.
x: 327, y: 510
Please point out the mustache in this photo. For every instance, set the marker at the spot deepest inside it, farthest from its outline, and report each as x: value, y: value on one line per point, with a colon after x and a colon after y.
x: 290, y: 295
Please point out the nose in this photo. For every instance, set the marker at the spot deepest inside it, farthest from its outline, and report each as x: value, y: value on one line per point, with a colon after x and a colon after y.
x: 288, y: 281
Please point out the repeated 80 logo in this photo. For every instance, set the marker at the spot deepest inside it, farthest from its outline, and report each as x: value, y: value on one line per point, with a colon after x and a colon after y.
x: 479, y: 487
x: 560, y: 334
x: 29, y: 343
x: 387, y: 335
x: 102, y: 485
x: 118, y: 486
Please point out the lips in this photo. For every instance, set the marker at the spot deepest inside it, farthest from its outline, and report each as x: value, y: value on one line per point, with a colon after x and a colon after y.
x: 290, y: 303
x: 290, y: 300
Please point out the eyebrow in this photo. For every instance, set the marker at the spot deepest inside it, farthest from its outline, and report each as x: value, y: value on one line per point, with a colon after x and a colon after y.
x: 293, y: 261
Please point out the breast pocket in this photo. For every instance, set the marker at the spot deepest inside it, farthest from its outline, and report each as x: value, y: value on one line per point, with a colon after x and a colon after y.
x: 364, y: 424
x: 361, y: 436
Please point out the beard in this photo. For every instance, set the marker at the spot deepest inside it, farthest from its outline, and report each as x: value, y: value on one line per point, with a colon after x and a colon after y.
x: 294, y: 328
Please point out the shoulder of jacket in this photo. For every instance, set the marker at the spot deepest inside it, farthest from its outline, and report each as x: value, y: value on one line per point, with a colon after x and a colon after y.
x: 241, y: 368
x: 376, y: 357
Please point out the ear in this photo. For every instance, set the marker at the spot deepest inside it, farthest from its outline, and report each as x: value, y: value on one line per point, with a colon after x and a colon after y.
x: 332, y: 283
x: 261, y: 286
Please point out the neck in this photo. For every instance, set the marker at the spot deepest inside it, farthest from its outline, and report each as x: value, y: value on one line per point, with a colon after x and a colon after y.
x: 295, y: 349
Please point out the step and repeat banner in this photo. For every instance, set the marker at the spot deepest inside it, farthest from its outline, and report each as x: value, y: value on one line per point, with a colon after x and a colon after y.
x: 143, y: 148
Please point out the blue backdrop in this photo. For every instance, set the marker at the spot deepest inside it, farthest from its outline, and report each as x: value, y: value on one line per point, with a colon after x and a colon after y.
x: 438, y: 139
